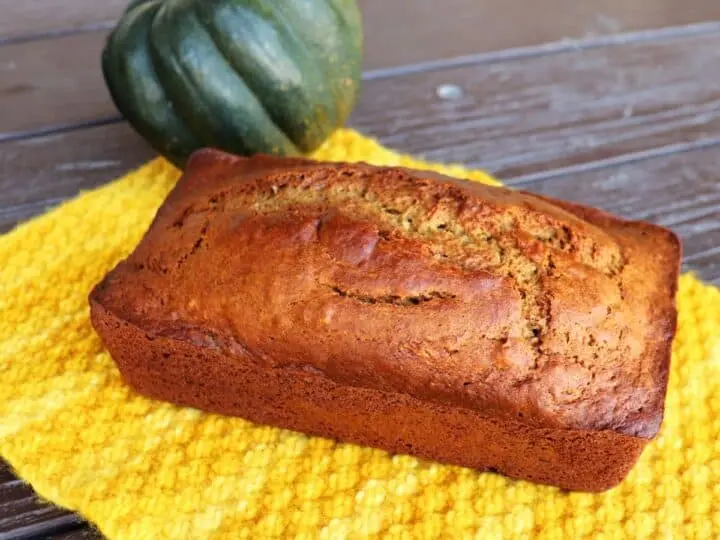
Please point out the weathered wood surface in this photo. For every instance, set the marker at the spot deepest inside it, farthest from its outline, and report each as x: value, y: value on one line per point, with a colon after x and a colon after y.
x: 528, y: 115
x: 22, y: 515
x: 82, y: 533
x: 57, y: 82
x: 71, y: 162
x: 455, y: 28
x: 625, y: 122
x: 37, y: 19
x: 512, y: 116
x: 51, y: 82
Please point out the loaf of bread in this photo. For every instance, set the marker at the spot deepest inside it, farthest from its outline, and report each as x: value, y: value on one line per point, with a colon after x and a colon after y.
x: 399, y: 309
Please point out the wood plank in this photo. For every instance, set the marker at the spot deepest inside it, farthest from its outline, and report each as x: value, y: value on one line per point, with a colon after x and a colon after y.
x: 68, y: 163
x: 439, y: 30
x: 431, y: 30
x: 680, y: 190
x: 22, y: 20
x: 52, y: 82
x: 57, y: 81
x: 23, y: 515
x: 540, y: 113
x: 85, y: 533
x: 512, y: 116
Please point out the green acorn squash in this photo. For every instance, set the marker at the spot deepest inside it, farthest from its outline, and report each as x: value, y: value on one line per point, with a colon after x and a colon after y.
x: 245, y: 76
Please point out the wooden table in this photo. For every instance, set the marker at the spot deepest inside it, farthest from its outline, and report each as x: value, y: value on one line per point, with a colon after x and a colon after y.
x: 612, y: 103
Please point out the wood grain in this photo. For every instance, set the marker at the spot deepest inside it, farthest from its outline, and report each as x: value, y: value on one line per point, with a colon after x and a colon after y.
x: 36, y: 18
x: 23, y: 515
x: 57, y: 81
x: 456, y: 27
x: 52, y: 82
x: 70, y: 162
x: 540, y: 113
x: 84, y: 533
x: 512, y: 116
x: 400, y: 33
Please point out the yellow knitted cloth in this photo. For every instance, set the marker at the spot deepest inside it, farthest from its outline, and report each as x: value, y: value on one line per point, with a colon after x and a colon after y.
x: 143, y: 469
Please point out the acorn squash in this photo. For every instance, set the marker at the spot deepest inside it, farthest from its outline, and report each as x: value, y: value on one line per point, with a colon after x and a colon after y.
x: 245, y: 76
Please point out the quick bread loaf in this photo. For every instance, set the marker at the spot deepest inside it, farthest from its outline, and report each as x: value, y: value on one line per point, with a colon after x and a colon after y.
x: 404, y: 310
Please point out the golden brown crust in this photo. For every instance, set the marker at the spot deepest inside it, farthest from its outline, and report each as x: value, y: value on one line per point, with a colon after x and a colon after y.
x: 501, y: 307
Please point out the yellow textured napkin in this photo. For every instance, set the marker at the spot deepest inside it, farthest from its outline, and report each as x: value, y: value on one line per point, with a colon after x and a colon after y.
x: 143, y: 469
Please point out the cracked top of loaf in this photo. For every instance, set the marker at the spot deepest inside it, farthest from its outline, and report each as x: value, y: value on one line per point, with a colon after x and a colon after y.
x: 514, y: 305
